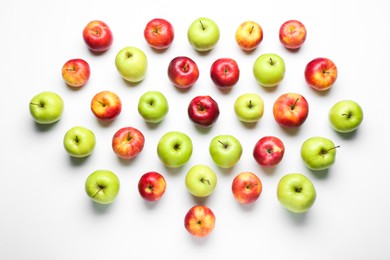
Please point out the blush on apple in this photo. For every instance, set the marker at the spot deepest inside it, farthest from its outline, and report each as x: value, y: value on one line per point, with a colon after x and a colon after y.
x: 183, y: 72
x: 159, y: 33
x: 106, y: 105
x: 292, y: 34
x: 76, y: 72
x: 203, y: 111
x: 128, y: 142
x: 225, y: 73
x: 199, y: 221
x: 249, y: 35
x: 246, y: 187
x: 269, y: 151
x: 291, y: 110
x: 151, y: 186
x: 321, y: 73
x: 98, y: 36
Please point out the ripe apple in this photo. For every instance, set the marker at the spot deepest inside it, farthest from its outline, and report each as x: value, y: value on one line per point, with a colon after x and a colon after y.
x: 98, y: 36
x: 203, y: 111
x: 225, y: 150
x: 318, y: 153
x: 321, y: 73
x: 291, y: 110
x: 199, y: 221
x: 269, y: 151
x: 79, y: 141
x: 106, y: 105
x: 159, y: 33
x: 246, y: 187
x: 76, y: 72
x: 249, y: 107
x: 201, y: 180
x: 292, y: 34
x: 128, y: 142
x: 183, y: 72
x: 203, y: 34
x: 153, y: 106
x: 345, y: 116
x: 174, y: 149
x: 131, y: 63
x: 249, y: 35
x: 151, y: 186
x: 269, y: 69
x: 225, y: 73
x: 102, y: 186
x: 296, y: 192
x: 46, y: 107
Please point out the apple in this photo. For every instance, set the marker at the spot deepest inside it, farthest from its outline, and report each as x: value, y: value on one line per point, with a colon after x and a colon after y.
x: 249, y: 35
x: 201, y: 180
x: 174, y: 149
x: 102, y: 186
x: 128, y: 142
x: 131, y: 63
x: 225, y: 150
x: 290, y: 110
x: 46, y: 107
x: 246, y: 187
x: 203, y: 34
x: 153, y: 106
x: 318, y: 153
x: 225, y: 73
x: 292, y: 34
x: 79, y: 141
x: 159, y: 33
x: 199, y: 221
x: 296, y: 192
x: 249, y: 107
x: 98, y: 36
x: 151, y: 186
x: 345, y: 116
x: 106, y: 105
x: 76, y: 72
x: 183, y: 72
x: 203, y: 111
x: 269, y: 151
x: 321, y: 73
x: 269, y: 69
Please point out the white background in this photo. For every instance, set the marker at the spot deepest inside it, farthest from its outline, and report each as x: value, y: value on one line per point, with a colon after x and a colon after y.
x: 44, y: 211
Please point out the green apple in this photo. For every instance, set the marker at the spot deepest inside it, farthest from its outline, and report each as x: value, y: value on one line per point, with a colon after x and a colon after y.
x: 153, y: 106
x: 102, y: 186
x: 296, y: 192
x: 318, y: 153
x: 131, y: 63
x: 225, y: 150
x: 174, y: 149
x: 203, y: 34
x: 79, y: 141
x: 46, y: 107
x: 345, y: 116
x: 201, y: 180
x: 269, y: 69
x: 249, y: 107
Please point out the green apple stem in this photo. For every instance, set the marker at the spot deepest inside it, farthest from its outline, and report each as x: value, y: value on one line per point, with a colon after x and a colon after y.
x: 325, y: 151
x: 271, y: 61
x: 205, y: 180
x: 250, y: 104
x: 225, y: 145
x: 347, y: 115
x: 203, y: 27
x: 100, y: 188
x: 37, y: 104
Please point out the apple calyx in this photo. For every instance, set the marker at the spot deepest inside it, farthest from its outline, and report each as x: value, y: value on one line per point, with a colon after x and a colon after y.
x: 325, y: 151
x: 203, y: 180
x: 295, y: 103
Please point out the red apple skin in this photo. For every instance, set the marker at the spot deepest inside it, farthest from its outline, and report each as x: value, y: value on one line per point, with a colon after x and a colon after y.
x: 98, y: 36
x: 246, y: 187
x: 76, y: 72
x: 321, y: 73
x: 128, y: 142
x: 268, y: 151
x: 159, y: 33
x: 203, y: 111
x: 292, y: 34
x: 151, y: 186
x: 106, y: 105
x: 225, y: 73
x: 183, y: 72
x: 291, y: 110
x: 199, y: 221
x: 249, y: 35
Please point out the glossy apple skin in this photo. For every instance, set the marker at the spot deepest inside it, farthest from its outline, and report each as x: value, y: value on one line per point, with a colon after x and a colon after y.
x: 225, y: 73
x: 203, y: 111
x: 159, y: 33
x: 292, y: 34
x: 249, y: 35
x: 106, y: 105
x: 128, y: 142
x: 76, y: 72
x: 318, y: 153
x: 102, y: 186
x: 203, y: 34
x: 183, y: 72
x: 151, y: 186
x: 321, y: 73
x: 46, y: 107
x: 199, y: 221
x: 269, y: 151
x: 345, y: 116
x: 249, y: 107
x: 291, y: 110
x: 98, y: 36
x: 246, y: 187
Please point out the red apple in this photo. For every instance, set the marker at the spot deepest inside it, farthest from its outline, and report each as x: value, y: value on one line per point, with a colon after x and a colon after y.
x: 106, y: 105
x: 203, y: 111
x: 292, y: 34
x: 321, y: 73
x: 268, y: 151
x: 97, y: 36
x: 199, y: 221
x: 246, y: 187
x: 128, y: 142
x: 183, y: 72
x: 159, y: 33
x: 76, y: 72
x: 151, y: 186
x: 249, y: 35
x: 291, y: 110
x: 225, y: 73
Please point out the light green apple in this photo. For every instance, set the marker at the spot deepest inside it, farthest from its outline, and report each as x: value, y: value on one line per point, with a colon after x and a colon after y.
x: 153, y: 106
x: 131, y: 63
x: 249, y: 107
x: 46, y: 107
x: 201, y: 180
x: 269, y: 69
x: 345, y: 116
x: 102, y: 186
x: 203, y: 34
x: 225, y: 150
x: 174, y: 149
x: 79, y: 141
x: 318, y: 153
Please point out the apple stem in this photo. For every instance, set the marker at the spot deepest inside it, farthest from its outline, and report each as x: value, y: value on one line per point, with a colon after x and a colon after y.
x: 295, y: 103
x: 129, y: 136
x: 102, y: 103
x: 250, y: 104
x: 37, y: 104
x: 203, y: 28
x: 271, y: 61
x: 335, y: 147
x: 253, y: 27
x: 225, y: 145
x: 96, y: 193
x: 325, y: 72
x: 205, y: 180
x: 347, y: 115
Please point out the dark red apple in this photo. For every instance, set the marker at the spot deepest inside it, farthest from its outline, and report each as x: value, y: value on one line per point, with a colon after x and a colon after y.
x: 203, y: 111
x: 225, y: 73
x: 151, y: 186
x: 183, y: 72
x: 268, y: 151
